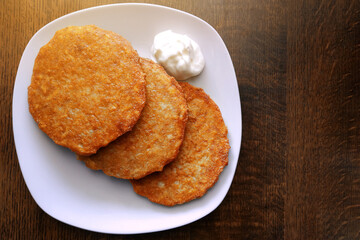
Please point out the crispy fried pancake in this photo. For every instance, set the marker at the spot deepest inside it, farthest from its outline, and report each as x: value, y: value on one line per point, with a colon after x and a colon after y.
x: 202, y: 156
x: 157, y: 136
x: 87, y: 88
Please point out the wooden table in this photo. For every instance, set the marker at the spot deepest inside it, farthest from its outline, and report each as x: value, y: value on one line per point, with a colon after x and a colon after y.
x: 298, y: 69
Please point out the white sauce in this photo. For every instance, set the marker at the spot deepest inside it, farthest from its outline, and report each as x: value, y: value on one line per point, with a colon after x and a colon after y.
x: 178, y: 54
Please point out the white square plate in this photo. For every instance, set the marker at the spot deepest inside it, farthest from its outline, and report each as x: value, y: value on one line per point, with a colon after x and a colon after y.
x: 68, y: 191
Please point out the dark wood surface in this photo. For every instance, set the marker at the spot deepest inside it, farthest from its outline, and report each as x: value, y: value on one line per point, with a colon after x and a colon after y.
x: 298, y: 68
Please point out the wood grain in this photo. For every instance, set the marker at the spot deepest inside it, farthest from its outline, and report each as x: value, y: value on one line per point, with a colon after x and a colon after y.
x: 322, y: 200
x: 298, y: 70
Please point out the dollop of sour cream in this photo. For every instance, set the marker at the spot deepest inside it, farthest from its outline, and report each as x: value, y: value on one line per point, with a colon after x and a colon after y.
x: 178, y: 54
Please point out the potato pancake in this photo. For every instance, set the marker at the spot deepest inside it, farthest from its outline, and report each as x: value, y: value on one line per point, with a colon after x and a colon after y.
x: 157, y: 136
x: 87, y: 88
x: 202, y: 156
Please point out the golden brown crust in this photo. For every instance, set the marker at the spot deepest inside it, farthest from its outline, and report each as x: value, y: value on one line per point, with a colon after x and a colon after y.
x: 156, y: 138
x: 87, y: 88
x: 202, y: 156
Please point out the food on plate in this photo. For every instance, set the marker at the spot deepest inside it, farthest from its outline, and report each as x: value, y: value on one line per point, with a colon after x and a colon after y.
x: 126, y: 116
x: 87, y: 88
x: 155, y: 139
x: 178, y: 54
x: 202, y: 156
